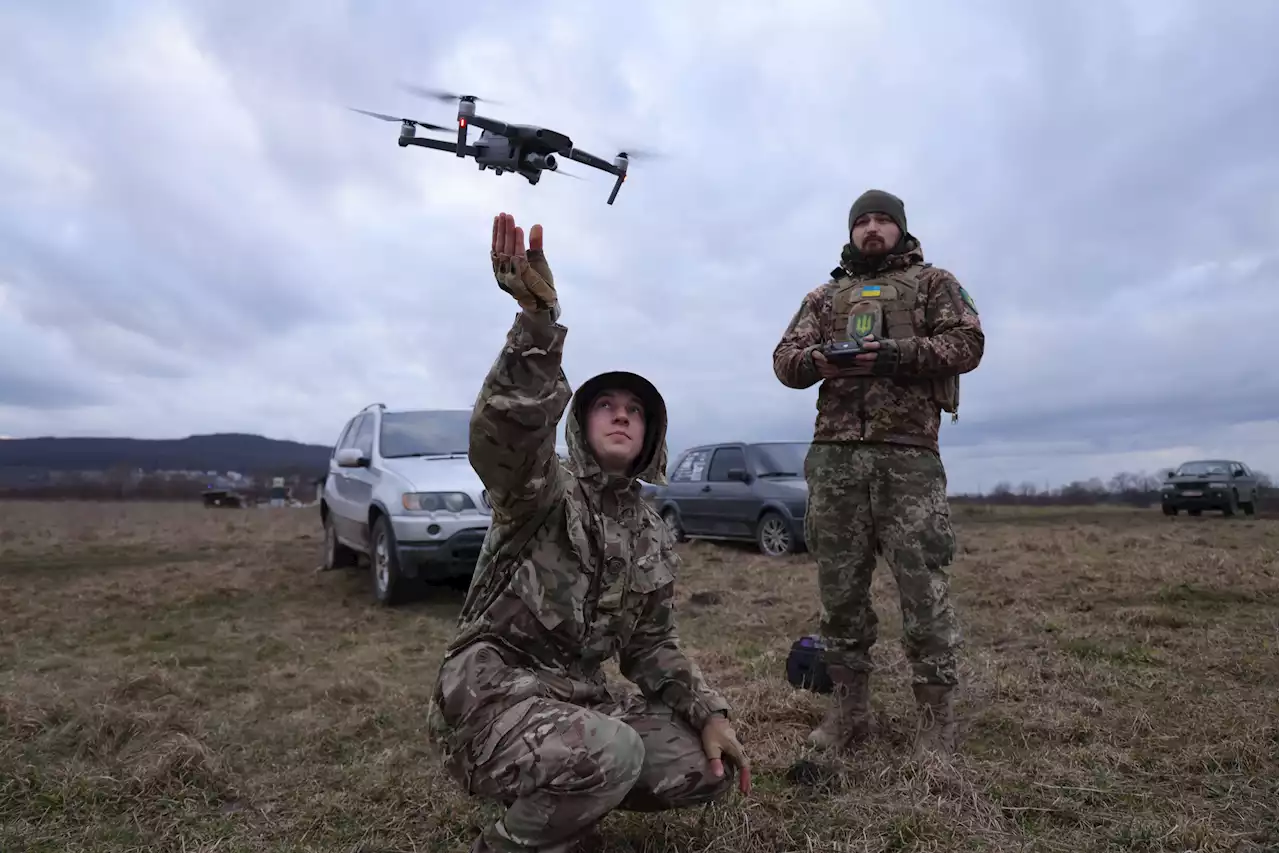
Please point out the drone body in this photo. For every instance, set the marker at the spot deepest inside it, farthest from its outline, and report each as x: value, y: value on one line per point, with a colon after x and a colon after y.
x: 523, y: 149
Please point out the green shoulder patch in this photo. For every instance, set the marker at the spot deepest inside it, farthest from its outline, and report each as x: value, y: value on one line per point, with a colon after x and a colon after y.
x: 968, y: 300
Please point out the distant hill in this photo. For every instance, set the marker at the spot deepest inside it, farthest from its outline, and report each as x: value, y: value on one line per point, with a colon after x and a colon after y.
x: 247, y: 454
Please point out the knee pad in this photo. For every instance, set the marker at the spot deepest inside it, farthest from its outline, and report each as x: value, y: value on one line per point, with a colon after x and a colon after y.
x: 624, y: 754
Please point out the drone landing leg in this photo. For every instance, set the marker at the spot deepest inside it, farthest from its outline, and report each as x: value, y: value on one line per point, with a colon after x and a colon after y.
x: 617, y: 185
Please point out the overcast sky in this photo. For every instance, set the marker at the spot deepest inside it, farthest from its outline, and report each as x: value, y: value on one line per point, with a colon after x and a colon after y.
x: 197, y: 236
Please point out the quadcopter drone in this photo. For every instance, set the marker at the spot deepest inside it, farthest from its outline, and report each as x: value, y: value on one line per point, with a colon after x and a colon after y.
x: 520, y: 148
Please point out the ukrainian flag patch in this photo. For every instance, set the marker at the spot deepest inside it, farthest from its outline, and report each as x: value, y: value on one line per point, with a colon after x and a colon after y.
x: 870, y: 290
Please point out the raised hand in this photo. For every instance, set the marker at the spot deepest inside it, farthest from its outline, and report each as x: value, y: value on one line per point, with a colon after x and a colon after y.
x: 525, y: 275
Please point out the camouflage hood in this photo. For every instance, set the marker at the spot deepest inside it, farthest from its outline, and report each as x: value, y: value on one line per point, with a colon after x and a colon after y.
x: 651, y: 465
x: 907, y: 253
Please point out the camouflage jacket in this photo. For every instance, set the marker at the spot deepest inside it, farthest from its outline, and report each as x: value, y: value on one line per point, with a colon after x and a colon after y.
x: 947, y: 340
x: 577, y: 567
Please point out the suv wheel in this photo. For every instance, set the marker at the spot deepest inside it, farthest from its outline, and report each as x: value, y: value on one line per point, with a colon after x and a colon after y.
x: 336, y: 555
x: 1233, y: 501
x: 384, y: 564
x: 773, y: 535
x: 1250, y: 508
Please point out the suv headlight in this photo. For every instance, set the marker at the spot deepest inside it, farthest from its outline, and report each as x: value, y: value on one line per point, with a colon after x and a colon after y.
x: 436, y: 501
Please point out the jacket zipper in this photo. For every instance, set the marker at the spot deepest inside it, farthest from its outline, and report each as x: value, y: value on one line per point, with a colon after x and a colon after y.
x: 862, y: 410
x: 593, y: 589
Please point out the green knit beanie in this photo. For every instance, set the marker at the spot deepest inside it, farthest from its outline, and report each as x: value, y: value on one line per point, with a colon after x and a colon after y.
x: 879, y: 201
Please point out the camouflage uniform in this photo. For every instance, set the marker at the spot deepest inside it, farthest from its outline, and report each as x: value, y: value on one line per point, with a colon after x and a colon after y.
x: 576, y: 569
x: 876, y: 481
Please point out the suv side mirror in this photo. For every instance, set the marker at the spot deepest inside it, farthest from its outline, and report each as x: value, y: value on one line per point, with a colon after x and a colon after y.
x: 1169, y: 476
x: 739, y: 474
x: 350, y: 457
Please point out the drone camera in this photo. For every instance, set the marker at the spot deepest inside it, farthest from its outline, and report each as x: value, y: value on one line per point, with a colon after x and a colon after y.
x: 541, y: 161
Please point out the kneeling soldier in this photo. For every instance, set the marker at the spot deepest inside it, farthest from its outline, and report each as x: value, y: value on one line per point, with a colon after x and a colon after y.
x: 577, y: 568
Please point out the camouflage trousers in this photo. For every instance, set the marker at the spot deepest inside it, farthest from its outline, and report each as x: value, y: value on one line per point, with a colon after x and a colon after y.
x: 559, y: 766
x: 891, y: 500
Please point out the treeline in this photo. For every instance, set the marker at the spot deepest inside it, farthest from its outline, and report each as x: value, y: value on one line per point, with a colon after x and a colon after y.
x: 126, y: 486
x: 1131, y: 489
x: 248, y: 454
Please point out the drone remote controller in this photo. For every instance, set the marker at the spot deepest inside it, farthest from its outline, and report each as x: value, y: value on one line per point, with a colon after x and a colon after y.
x: 843, y: 352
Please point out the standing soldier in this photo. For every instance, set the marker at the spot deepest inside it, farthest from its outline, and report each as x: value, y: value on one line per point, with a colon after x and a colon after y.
x: 876, y: 481
x: 577, y: 569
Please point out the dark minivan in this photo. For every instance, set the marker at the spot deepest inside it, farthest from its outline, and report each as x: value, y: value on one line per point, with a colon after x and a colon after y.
x: 739, y: 491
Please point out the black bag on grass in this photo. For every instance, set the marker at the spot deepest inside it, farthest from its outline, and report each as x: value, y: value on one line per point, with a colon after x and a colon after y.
x: 805, y: 667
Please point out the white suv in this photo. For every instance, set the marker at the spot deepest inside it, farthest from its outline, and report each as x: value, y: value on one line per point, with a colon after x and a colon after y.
x: 402, y: 494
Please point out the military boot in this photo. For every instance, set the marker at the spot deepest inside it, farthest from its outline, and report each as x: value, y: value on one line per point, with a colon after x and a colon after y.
x: 935, y: 721
x: 849, y: 719
x: 591, y: 840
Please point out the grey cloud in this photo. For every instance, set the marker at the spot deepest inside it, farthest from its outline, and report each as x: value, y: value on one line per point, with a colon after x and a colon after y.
x: 40, y: 392
x: 1062, y: 161
x: 171, y: 240
x: 36, y: 373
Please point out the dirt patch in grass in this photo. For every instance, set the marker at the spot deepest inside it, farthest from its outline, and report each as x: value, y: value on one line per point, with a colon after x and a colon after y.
x: 176, y: 678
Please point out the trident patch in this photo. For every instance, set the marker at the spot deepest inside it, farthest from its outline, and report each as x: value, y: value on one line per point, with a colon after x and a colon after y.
x: 864, y: 321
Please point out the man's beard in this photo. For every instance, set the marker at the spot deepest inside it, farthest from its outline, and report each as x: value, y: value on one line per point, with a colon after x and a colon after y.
x: 874, y: 246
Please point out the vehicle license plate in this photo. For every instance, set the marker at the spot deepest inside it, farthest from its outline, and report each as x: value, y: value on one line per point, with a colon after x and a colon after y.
x: 1192, y: 494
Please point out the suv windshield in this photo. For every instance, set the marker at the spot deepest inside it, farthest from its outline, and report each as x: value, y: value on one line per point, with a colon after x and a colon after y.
x: 785, y: 459
x: 425, y: 433
x: 1202, y: 469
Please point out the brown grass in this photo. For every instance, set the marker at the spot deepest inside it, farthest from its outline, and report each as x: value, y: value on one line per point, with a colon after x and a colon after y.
x: 175, y: 678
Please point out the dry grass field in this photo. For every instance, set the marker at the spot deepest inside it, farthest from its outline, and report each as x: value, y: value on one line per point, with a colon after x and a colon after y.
x: 176, y: 678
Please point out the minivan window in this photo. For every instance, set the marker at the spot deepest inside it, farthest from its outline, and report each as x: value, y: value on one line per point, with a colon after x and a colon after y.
x: 784, y: 459
x: 691, y: 467
x: 725, y: 459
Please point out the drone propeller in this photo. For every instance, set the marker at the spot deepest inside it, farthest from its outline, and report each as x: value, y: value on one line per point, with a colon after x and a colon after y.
x: 444, y: 96
x: 385, y: 117
x: 635, y: 154
x: 559, y: 171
